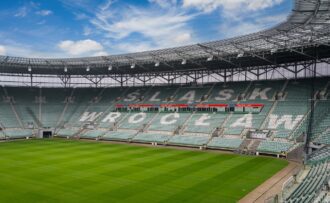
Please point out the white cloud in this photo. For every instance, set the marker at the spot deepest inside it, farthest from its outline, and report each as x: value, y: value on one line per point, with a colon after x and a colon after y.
x: 232, y: 28
x: 163, y: 27
x: 44, y: 12
x: 3, y: 50
x: 164, y: 3
x: 100, y: 53
x: 80, y: 48
x: 22, y: 12
x: 87, y: 31
x: 133, y: 47
x: 230, y: 5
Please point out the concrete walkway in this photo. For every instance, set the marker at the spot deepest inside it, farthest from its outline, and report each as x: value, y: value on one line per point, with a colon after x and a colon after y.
x: 272, y: 186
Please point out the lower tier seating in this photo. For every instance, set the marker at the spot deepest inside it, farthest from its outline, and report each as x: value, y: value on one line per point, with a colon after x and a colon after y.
x: 68, y: 132
x: 151, y: 137
x: 311, y: 186
x: 189, y: 140
x: 92, y: 134
x: 224, y: 143
x: 118, y: 135
x: 16, y: 134
x: 274, y: 147
x: 324, y: 138
x: 320, y: 155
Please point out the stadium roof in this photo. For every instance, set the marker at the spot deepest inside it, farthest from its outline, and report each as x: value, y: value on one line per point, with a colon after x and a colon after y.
x: 305, y: 36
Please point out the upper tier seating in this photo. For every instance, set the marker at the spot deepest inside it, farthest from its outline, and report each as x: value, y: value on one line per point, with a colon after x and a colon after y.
x: 190, y: 95
x: 134, y: 95
x: 226, y: 92
x: 160, y: 95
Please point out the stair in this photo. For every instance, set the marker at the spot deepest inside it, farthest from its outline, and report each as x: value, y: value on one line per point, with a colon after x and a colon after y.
x: 248, y: 147
x: 59, y: 122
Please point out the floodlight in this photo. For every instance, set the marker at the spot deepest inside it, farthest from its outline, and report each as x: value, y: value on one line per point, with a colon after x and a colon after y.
x: 240, y: 55
x: 209, y: 58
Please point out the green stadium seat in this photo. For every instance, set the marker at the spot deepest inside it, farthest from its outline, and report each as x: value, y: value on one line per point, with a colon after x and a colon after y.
x: 189, y: 140
x: 151, y: 137
x: 224, y: 143
x: 118, y: 135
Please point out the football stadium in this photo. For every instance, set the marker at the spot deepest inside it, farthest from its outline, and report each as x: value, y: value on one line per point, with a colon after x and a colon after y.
x: 243, y: 119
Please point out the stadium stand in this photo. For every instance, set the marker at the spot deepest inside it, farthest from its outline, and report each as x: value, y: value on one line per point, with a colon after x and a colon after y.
x: 67, y: 111
x: 52, y: 105
x: 189, y: 140
x: 18, y: 133
x: 168, y: 122
x: 274, y: 147
x: 151, y: 137
x: 223, y: 143
x: 68, y: 132
x: 204, y: 123
x: 319, y: 155
x: 118, y: 135
x: 92, y: 134
x: 312, y: 184
x: 190, y: 94
x: 136, y: 120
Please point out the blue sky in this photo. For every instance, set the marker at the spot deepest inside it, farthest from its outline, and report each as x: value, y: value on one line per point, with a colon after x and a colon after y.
x: 75, y: 28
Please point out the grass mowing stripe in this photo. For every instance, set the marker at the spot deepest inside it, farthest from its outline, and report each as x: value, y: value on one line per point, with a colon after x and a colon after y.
x: 75, y: 171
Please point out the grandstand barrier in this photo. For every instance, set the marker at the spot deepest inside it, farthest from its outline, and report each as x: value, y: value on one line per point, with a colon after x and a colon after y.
x: 168, y: 108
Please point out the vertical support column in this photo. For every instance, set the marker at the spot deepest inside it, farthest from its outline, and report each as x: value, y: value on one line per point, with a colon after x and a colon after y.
x: 295, y: 71
x: 225, y: 76
x: 31, y: 79
x: 312, y: 106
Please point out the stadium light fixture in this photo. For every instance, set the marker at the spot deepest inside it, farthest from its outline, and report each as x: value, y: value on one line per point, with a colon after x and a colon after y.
x: 133, y: 66
x: 157, y: 64
x: 29, y: 68
x: 240, y: 55
x: 209, y: 58
x: 184, y: 62
x: 88, y: 68
x: 272, y: 51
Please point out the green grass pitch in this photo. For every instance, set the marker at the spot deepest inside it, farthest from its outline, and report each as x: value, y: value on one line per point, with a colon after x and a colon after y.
x: 78, y: 171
